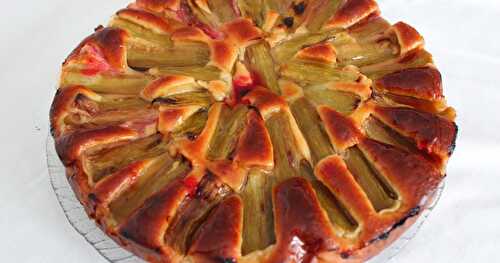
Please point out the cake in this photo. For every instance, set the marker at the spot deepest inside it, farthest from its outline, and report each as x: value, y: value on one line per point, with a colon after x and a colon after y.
x: 253, y: 131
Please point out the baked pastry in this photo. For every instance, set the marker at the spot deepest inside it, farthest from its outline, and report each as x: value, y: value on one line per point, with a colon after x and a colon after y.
x: 253, y: 131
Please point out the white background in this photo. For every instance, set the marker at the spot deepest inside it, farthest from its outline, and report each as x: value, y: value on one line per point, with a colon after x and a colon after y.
x: 463, y: 35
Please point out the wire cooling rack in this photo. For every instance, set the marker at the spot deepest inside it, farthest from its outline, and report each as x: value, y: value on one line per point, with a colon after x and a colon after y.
x: 108, y: 249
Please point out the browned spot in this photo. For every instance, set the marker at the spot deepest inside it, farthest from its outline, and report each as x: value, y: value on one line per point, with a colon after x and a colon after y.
x: 111, y: 186
x: 219, y: 89
x: 241, y: 31
x: 333, y: 172
x: 146, y: 19
x: 158, y: 5
x: 323, y: 52
x: 190, y: 34
x: 62, y: 104
x: 110, y: 42
x: 147, y: 225
x: 204, y: 194
x: 228, y: 172
x: 170, y: 118
x: 265, y: 100
x: 421, y: 104
x: 411, y: 56
x: 373, y: 18
x: 411, y: 174
x: 409, y: 39
x: 64, y: 98
x: 70, y: 147
x: 254, y: 147
x: 362, y: 89
x: 145, y: 126
x: 219, y: 238
x: 343, y: 131
x: 290, y: 90
x: 353, y: 11
x: 302, y: 227
x: 431, y: 133
x: 223, y: 54
x: 424, y: 83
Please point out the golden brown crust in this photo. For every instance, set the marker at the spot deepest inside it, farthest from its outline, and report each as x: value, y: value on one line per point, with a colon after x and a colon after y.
x: 159, y: 6
x: 63, y: 104
x: 228, y: 172
x: 220, y: 89
x: 342, y: 130
x: 414, y: 179
x: 302, y: 227
x: 362, y: 89
x: 412, y: 175
x: 169, y: 118
x: 323, y: 52
x: 147, y: 20
x: 433, y: 134
x: 384, y: 240
x: 415, y: 58
x: 408, y: 37
x: 70, y: 147
x: 223, y: 54
x: 265, y: 101
x: 353, y: 11
x: 111, y: 186
x: 333, y: 172
x: 219, y: 238
x: 190, y: 34
x: 423, y: 83
x: 372, y: 19
x: 238, y: 33
x: 241, y: 31
x: 290, y: 90
x: 147, y: 226
x: 436, y: 107
x: 102, y: 51
x: 254, y: 146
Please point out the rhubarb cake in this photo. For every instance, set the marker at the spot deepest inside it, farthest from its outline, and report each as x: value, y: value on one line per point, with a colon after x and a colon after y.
x: 253, y: 130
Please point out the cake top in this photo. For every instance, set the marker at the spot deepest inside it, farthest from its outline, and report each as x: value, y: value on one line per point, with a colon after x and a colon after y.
x: 253, y: 131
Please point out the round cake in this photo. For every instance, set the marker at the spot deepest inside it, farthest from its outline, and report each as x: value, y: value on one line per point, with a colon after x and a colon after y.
x: 253, y: 130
